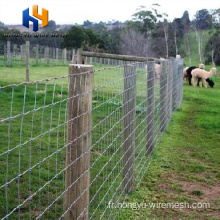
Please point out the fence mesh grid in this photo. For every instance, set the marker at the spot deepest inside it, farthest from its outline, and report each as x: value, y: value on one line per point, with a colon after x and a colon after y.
x: 62, y: 159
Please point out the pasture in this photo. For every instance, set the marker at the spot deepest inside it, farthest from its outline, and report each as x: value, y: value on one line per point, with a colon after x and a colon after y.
x: 185, y: 166
x: 33, y: 140
x: 33, y: 145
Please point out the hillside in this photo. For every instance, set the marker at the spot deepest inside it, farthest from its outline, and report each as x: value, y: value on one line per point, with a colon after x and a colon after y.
x: 194, y: 47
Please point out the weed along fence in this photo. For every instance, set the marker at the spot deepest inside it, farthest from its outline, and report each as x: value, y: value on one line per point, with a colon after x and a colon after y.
x: 72, y: 145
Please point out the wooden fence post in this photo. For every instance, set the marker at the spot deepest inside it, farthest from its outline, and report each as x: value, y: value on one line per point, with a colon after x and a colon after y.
x: 14, y: 51
x: 57, y: 54
x: 64, y: 55
x: 128, y: 148
x: 8, y: 53
x: 79, y: 55
x: 150, y: 108
x: 163, y: 96
x: 37, y: 54
x: 27, y: 56
x: 79, y: 141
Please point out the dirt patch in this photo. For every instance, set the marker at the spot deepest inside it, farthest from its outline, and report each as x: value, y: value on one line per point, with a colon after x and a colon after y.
x: 209, y: 192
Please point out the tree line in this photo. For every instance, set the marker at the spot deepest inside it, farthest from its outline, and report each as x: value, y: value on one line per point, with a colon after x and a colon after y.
x: 148, y: 33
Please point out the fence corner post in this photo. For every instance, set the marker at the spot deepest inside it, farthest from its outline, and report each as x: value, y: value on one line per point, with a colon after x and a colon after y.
x: 79, y: 139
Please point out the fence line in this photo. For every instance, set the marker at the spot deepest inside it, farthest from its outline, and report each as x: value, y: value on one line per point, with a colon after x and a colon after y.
x: 14, y: 54
x: 69, y: 145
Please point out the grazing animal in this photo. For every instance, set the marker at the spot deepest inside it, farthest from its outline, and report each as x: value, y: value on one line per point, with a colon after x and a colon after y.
x: 210, y: 82
x: 185, y: 76
x: 157, y: 69
x: 189, y: 71
x: 200, y: 73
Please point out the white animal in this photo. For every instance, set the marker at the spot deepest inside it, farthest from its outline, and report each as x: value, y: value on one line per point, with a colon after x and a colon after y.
x: 200, y: 73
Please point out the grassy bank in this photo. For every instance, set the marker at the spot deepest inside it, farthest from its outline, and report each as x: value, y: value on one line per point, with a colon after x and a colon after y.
x: 185, y: 166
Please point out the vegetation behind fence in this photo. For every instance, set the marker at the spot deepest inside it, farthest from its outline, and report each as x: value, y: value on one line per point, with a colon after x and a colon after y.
x: 69, y: 145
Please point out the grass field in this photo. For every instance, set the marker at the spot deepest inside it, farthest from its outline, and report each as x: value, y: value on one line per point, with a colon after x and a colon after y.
x: 189, y: 152
x: 33, y: 139
x: 186, y: 164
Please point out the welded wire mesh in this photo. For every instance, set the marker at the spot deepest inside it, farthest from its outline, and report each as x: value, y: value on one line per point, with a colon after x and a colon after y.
x: 70, y: 145
x: 12, y: 54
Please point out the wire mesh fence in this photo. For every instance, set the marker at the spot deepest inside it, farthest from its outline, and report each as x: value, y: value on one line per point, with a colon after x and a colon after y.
x: 12, y: 54
x: 70, y: 145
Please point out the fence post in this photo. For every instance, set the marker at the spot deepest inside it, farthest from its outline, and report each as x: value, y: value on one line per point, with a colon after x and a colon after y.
x: 14, y: 51
x: 169, y: 89
x: 163, y: 96
x: 27, y: 56
x: 180, y: 80
x: 128, y: 148
x: 57, y: 54
x: 174, y: 84
x: 150, y: 108
x: 46, y: 55
x: 37, y: 54
x: 79, y: 141
x: 64, y: 55
x: 8, y: 53
x: 79, y: 55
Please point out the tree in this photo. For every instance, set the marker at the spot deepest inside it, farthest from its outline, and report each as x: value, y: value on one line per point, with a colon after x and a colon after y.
x: 87, y: 23
x: 185, y: 21
x: 212, y: 48
x: 76, y: 37
x: 135, y: 43
x: 203, y: 20
x: 187, y: 47
x: 15, y: 40
x: 51, y: 25
x: 145, y: 19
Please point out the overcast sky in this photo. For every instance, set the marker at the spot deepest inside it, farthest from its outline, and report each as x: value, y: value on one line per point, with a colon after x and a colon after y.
x: 77, y: 11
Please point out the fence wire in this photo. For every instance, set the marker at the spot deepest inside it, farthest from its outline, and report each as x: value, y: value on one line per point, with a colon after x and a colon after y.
x: 12, y: 54
x: 70, y: 145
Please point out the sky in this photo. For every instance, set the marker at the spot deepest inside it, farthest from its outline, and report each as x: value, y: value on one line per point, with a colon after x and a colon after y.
x: 77, y: 11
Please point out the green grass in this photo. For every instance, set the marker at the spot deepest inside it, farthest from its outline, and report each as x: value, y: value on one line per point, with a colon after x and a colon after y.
x: 188, y: 153
x: 194, y: 48
x: 185, y: 166
x: 37, y: 139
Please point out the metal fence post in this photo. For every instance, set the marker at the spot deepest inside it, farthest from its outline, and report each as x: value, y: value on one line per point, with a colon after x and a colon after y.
x: 169, y: 89
x: 128, y: 148
x: 163, y: 96
x: 79, y: 141
x: 174, y: 84
x: 150, y: 108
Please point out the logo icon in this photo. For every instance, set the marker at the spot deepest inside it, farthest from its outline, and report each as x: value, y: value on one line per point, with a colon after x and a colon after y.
x: 27, y: 17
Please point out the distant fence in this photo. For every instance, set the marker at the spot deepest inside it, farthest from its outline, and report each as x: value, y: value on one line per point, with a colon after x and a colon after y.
x: 14, y: 54
x: 71, y: 145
